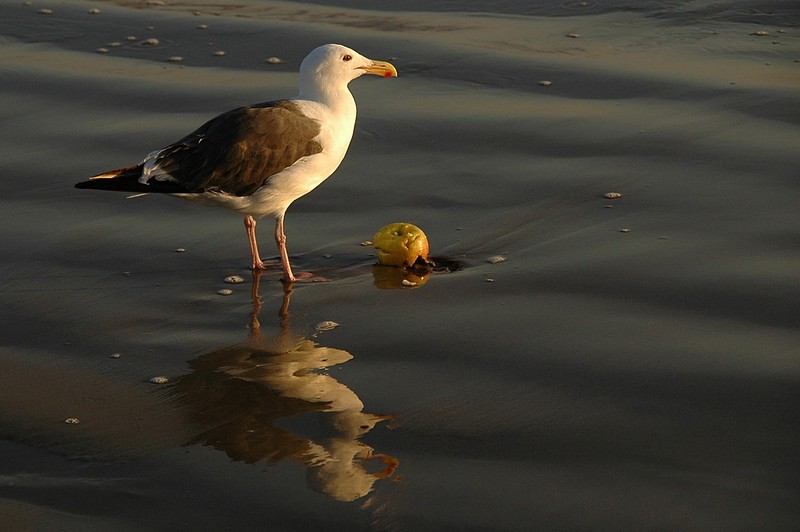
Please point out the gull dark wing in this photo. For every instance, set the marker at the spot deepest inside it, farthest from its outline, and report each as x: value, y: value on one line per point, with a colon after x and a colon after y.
x: 235, y: 152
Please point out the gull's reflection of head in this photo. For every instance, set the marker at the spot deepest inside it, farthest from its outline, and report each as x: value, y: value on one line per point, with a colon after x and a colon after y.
x: 238, y: 393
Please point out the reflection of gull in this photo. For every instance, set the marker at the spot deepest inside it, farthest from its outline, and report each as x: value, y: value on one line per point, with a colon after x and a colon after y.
x: 239, y: 393
x: 292, y: 374
x: 341, y: 474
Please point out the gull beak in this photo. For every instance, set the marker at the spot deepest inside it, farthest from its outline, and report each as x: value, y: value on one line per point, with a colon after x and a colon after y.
x: 381, y: 68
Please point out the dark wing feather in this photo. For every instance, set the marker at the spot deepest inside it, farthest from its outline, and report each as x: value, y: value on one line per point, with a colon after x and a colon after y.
x: 235, y: 152
x: 238, y: 151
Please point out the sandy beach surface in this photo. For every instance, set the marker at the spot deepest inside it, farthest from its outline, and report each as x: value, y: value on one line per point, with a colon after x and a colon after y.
x: 632, y: 364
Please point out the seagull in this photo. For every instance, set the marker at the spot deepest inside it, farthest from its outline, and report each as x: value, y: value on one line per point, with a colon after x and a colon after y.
x: 258, y: 159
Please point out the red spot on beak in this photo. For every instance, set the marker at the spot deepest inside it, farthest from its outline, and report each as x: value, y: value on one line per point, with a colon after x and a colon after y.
x: 387, y: 75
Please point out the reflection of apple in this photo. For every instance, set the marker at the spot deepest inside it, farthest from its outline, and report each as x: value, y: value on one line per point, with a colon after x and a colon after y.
x: 400, y: 244
x: 385, y: 277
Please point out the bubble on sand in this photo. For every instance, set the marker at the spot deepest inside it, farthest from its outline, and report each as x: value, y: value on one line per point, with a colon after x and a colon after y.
x: 624, y: 230
x: 72, y: 421
x: 326, y: 325
x: 45, y: 11
x: 273, y: 60
x: 115, y: 355
x: 219, y: 53
x: 160, y: 379
x: 175, y: 59
x: 224, y: 291
x: 234, y: 279
x: 573, y: 35
x: 497, y: 259
x: 102, y: 50
x: 152, y: 41
x: 202, y: 27
x: 612, y: 195
x: 545, y: 83
x: 94, y: 11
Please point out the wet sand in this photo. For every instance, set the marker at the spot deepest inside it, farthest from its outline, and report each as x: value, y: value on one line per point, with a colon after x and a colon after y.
x: 632, y: 364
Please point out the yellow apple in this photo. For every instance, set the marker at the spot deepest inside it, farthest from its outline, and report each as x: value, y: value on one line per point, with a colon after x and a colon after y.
x: 400, y: 244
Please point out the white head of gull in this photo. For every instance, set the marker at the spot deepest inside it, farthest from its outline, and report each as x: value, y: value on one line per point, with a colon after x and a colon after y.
x: 258, y: 159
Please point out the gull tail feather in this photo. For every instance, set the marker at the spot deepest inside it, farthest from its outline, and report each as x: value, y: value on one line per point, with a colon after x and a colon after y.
x: 127, y: 180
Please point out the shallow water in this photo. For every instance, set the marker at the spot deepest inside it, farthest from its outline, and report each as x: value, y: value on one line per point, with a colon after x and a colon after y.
x: 632, y: 364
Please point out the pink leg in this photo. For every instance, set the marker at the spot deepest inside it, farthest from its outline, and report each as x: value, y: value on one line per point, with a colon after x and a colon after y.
x: 280, y: 240
x: 250, y: 227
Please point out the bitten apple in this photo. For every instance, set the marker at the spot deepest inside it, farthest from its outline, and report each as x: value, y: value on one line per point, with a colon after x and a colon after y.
x: 401, y: 244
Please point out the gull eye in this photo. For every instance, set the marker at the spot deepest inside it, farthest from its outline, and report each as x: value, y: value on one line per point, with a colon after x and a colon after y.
x: 347, y: 57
